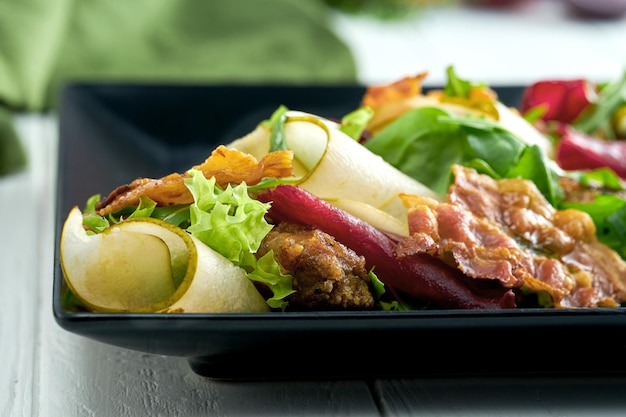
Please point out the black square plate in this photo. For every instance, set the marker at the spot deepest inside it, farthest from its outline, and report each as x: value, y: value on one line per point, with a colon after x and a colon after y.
x: 111, y: 134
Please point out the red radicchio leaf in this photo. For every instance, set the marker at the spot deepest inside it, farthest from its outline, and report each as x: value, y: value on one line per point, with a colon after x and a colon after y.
x: 421, y: 276
x: 578, y: 151
x: 564, y: 99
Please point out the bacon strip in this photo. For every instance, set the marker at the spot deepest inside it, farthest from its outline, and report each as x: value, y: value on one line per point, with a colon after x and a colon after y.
x: 225, y: 164
x: 506, y: 231
x: 400, y: 90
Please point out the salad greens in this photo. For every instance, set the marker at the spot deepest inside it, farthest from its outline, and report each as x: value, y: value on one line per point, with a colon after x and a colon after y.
x: 424, y: 141
x: 227, y: 220
x: 458, y: 87
x: 354, y: 123
x: 610, y: 98
x: 276, y: 123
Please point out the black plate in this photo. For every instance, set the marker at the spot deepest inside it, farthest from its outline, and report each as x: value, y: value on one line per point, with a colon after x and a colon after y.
x: 112, y: 134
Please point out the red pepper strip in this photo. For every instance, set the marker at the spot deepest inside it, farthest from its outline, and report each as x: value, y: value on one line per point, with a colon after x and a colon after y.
x: 564, y: 99
x: 578, y: 151
x: 422, y: 277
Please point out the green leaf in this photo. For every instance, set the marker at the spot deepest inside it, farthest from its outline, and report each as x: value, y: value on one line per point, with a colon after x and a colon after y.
x: 602, y: 178
x: 90, y: 205
x: 233, y: 224
x: 378, y: 287
x: 535, y: 114
x: 458, y: 87
x: 421, y: 146
x: 228, y: 221
x: 488, y: 141
x: 267, y: 271
x: 533, y: 165
x: 145, y: 208
x: 276, y: 123
x: 354, y: 123
x: 95, y: 224
x: 271, y: 182
x: 178, y: 215
x: 610, y: 98
x: 425, y: 142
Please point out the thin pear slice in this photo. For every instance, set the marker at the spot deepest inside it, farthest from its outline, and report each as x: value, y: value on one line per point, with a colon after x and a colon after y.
x: 331, y: 164
x: 377, y: 218
x: 147, y: 265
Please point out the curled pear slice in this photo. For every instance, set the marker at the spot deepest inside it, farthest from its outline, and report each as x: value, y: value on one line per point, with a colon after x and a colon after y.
x: 148, y: 265
x: 331, y: 163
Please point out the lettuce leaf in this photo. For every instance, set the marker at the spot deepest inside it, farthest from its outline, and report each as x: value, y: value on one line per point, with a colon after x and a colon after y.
x: 597, y: 117
x: 233, y: 224
x: 355, y: 123
x: 424, y: 143
x: 276, y: 123
x: 419, y: 145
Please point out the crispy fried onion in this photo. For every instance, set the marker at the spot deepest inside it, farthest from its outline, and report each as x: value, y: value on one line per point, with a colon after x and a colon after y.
x: 505, y: 230
x: 228, y: 166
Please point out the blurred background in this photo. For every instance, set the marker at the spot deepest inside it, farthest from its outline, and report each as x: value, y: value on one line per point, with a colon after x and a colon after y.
x: 45, y: 44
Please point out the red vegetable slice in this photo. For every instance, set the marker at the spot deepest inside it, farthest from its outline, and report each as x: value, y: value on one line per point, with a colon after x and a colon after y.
x: 422, y: 276
x: 578, y: 151
x: 564, y: 99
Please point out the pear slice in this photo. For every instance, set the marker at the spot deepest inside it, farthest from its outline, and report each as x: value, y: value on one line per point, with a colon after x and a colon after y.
x: 148, y: 265
x: 332, y: 164
x: 377, y: 218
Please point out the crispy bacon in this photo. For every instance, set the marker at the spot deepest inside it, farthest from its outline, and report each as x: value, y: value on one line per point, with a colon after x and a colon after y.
x: 225, y: 164
x: 505, y: 230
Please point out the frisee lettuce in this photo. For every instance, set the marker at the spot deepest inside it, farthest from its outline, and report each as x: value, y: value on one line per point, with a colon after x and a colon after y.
x: 233, y: 224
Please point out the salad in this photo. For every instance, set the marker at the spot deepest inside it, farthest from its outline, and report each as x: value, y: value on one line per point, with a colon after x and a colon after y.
x: 414, y: 200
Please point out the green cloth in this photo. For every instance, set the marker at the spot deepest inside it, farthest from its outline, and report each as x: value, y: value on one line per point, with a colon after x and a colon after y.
x: 47, y: 43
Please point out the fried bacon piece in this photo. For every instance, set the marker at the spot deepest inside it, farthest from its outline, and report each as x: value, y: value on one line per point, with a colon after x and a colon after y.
x: 400, y: 90
x: 505, y: 230
x: 225, y: 164
x: 326, y: 274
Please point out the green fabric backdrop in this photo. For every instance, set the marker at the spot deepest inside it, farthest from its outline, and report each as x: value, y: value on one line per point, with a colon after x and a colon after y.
x: 46, y: 43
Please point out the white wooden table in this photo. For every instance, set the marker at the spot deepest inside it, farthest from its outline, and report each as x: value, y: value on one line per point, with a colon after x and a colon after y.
x: 49, y: 372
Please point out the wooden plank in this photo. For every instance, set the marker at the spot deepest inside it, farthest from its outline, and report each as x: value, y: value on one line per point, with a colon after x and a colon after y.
x: 19, y: 225
x: 486, y: 397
